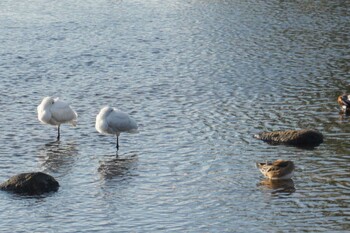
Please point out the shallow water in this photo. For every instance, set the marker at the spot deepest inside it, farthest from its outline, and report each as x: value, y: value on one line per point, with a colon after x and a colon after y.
x: 200, y: 78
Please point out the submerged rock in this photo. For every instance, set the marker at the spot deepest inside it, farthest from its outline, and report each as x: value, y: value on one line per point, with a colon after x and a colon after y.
x: 33, y: 183
x: 301, y: 138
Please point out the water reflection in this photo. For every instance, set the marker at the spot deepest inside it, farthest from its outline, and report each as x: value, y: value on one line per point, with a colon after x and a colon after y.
x: 121, y: 166
x: 343, y: 116
x: 57, y: 156
x: 278, y: 186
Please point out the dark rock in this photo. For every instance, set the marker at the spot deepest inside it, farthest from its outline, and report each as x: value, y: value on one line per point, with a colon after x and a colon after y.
x: 300, y: 138
x: 33, y: 183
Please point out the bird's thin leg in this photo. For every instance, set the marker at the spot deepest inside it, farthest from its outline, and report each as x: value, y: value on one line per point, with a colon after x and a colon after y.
x: 58, y: 133
x: 117, y: 142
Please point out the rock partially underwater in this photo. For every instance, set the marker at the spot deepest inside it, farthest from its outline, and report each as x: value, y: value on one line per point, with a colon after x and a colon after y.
x: 300, y: 138
x: 32, y: 183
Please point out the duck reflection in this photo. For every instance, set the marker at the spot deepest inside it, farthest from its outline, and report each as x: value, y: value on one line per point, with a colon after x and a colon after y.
x: 57, y: 156
x: 278, y: 186
x: 344, y: 116
x: 121, y: 166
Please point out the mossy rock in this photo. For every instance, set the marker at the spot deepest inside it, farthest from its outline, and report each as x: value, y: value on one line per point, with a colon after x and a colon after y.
x: 32, y: 183
x: 300, y: 138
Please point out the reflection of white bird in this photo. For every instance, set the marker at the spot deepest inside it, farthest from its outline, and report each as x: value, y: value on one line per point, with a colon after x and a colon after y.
x: 56, y: 112
x: 112, y: 121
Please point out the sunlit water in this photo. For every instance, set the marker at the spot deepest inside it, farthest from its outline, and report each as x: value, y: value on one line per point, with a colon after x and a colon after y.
x: 200, y: 78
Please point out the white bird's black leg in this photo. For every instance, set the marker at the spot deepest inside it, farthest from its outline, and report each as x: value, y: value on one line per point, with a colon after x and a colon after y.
x: 58, y: 133
x: 117, y: 142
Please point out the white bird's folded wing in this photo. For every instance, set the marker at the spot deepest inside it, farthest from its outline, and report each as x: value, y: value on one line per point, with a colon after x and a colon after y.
x: 121, y: 122
x: 62, y: 113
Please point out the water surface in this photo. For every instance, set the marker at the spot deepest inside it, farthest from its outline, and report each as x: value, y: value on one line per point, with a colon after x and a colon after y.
x: 200, y: 78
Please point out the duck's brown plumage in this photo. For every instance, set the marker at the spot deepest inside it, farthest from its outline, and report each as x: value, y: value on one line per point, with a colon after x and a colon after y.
x: 344, y: 102
x: 279, y: 169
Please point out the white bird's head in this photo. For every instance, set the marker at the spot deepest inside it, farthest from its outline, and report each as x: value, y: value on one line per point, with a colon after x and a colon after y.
x: 106, y: 111
x: 47, y: 101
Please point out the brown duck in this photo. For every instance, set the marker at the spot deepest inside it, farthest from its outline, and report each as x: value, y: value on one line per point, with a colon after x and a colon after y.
x: 277, y: 170
x: 344, y: 102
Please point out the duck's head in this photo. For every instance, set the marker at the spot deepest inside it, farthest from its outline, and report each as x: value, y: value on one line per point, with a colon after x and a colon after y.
x: 344, y: 102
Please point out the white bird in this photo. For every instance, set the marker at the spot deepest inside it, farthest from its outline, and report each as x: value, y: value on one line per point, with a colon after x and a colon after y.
x: 113, y: 121
x: 53, y: 111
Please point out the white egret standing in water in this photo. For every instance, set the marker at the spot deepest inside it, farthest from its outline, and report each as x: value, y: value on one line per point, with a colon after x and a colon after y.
x: 53, y: 111
x: 112, y: 121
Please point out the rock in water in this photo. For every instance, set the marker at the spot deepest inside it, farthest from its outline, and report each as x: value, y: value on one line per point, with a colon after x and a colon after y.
x: 301, y: 138
x: 33, y: 183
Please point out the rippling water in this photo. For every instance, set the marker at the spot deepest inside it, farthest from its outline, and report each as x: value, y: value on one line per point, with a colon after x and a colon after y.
x: 200, y: 78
